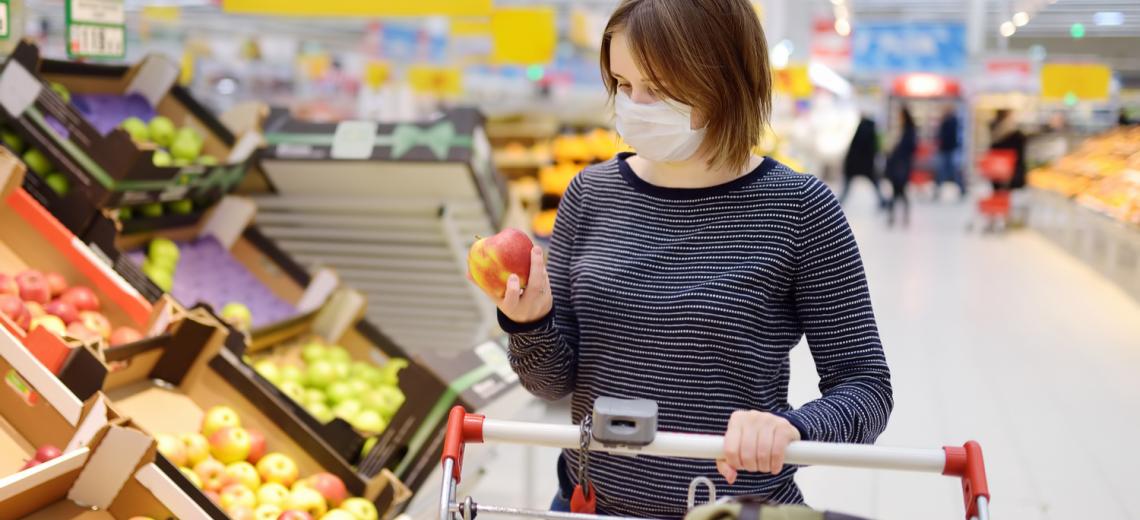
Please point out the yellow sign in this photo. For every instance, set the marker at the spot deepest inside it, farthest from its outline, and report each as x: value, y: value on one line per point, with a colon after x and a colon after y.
x: 523, y: 35
x: 1088, y: 82
x: 441, y: 81
x: 376, y: 73
x: 371, y: 8
x: 793, y: 81
x: 461, y: 27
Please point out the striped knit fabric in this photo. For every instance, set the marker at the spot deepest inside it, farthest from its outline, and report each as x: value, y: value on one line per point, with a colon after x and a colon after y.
x: 694, y: 298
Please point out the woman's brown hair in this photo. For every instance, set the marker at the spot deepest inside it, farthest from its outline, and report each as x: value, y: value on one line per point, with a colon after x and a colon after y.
x: 708, y: 54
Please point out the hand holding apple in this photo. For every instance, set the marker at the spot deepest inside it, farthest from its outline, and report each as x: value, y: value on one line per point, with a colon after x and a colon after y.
x: 495, y: 267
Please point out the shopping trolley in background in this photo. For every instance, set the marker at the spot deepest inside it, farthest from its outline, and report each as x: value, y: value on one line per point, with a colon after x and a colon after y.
x: 629, y: 427
x: 998, y: 167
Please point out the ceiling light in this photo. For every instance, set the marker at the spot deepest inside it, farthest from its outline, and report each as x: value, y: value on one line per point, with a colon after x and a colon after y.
x: 1007, y: 29
x: 843, y: 27
x: 1108, y: 18
x: 837, y: 2
x: 841, y: 11
x: 1020, y: 19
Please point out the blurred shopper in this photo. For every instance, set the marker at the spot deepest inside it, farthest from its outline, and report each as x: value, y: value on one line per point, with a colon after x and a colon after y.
x: 861, y: 158
x: 687, y: 272
x: 949, y: 144
x: 899, y: 165
x: 1005, y: 135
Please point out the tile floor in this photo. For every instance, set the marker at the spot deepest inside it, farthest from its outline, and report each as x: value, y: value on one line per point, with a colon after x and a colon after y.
x: 1002, y: 339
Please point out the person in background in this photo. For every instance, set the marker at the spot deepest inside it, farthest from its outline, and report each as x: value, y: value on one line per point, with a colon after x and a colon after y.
x: 860, y: 160
x: 899, y: 165
x: 949, y: 142
x: 1005, y: 135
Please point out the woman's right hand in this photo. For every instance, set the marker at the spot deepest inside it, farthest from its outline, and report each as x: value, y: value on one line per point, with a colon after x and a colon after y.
x: 531, y: 304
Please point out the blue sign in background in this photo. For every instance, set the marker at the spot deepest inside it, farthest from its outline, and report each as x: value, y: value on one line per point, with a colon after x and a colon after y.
x: 908, y: 47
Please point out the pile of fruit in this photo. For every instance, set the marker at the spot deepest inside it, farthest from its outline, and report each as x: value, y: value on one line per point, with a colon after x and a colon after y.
x: 36, y: 162
x: 32, y: 299
x: 177, y: 148
x: 598, y: 144
x: 1103, y: 174
x: 233, y: 467
x: 325, y: 381
x: 161, y: 261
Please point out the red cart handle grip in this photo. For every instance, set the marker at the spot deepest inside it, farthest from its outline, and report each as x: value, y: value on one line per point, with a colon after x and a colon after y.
x: 462, y: 428
x: 967, y: 462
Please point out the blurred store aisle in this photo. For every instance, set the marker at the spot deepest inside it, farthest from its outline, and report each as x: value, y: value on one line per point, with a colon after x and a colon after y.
x: 1002, y: 339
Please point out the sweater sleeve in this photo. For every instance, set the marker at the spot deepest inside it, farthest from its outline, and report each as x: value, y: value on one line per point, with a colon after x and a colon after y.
x: 545, y: 353
x: 834, y: 309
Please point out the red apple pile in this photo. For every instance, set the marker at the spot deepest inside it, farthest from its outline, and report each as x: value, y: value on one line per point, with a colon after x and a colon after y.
x: 230, y: 464
x: 32, y: 299
x: 43, y: 454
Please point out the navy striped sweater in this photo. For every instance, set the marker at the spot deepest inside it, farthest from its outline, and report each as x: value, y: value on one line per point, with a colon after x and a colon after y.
x: 694, y: 298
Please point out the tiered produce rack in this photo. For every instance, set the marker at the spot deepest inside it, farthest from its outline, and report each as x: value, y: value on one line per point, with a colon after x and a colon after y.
x: 342, y: 242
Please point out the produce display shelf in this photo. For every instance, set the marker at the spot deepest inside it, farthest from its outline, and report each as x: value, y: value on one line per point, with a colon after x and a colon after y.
x: 1109, y: 246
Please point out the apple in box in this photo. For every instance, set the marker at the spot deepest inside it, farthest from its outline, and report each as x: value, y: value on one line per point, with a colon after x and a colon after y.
x: 66, y: 311
x: 329, y: 486
x: 212, y: 474
x: 196, y: 446
x: 52, y: 323
x: 235, y: 495
x: 13, y: 307
x: 124, y: 336
x: 293, y: 514
x: 96, y: 322
x: 82, y: 298
x: 257, y: 446
x: 57, y: 284
x: 307, y: 499
x: 218, y: 418
x: 33, y: 286
x: 80, y: 332
x: 8, y: 285
x: 230, y: 444
x: 492, y: 260
x: 279, y: 468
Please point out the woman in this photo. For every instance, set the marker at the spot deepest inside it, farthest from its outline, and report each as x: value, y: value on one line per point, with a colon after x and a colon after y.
x: 1006, y: 135
x: 899, y: 165
x: 861, y: 157
x: 685, y: 274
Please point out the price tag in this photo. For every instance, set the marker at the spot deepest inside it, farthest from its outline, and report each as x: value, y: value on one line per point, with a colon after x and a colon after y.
x: 5, y: 31
x: 96, y: 28
x: 354, y: 140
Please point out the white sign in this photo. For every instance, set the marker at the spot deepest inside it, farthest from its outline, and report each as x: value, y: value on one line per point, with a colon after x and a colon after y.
x: 108, y: 12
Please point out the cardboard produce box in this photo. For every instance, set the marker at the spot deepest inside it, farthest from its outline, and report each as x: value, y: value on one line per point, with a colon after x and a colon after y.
x: 222, y: 259
x: 78, y: 130
x: 115, y: 477
x: 172, y: 381
x: 31, y: 238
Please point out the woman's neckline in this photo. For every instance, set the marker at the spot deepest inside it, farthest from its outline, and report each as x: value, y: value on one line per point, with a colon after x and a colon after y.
x: 642, y: 186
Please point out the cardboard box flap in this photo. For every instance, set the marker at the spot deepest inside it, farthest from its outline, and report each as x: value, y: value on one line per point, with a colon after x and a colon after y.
x: 19, y: 89
x: 229, y: 220
x: 154, y: 78
x: 94, y: 419
x: 40, y: 379
x: 245, y: 147
x: 344, y: 308
x: 168, y: 493
x: 113, y: 462
x: 18, y: 492
x: 318, y: 291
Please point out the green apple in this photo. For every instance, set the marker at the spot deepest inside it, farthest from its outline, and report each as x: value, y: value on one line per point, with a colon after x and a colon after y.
x: 320, y: 411
x: 161, y: 276
x: 219, y: 417
x: 188, y: 134
x: 368, y: 445
x: 125, y: 214
x: 37, y: 162
x: 196, y: 446
x: 313, y: 351
x: 269, y: 370
x: 162, y: 130
x: 153, y: 210
x: 61, y: 91
x: 162, y: 158
x: 313, y: 395
x: 182, y: 163
x: 238, y: 315
x: 245, y: 474
x: 307, y: 499
x: 364, y: 371
x: 137, y: 128
x: 58, y: 183
x: 12, y: 140
x: 163, y: 252
x: 338, y: 354
x: 359, y: 386
x: 386, y: 400
x: 181, y: 207
x: 369, y: 421
x: 292, y: 373
x: 320, y: 374
x: 390, y: 372
x: 267, y: 511
x: 341, y: 369
x: 361, y: 508
x: 272, y: 493
x: 338, y: 514
x: 339, y: 392
x: 186, y: 148
x: 294, y: 390
x: 279, y: 468
x: 348, y: 409
x: 208, y: 160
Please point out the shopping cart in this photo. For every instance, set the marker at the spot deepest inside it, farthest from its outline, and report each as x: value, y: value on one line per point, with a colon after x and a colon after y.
x: 635, y: 434
x: 998, y: 167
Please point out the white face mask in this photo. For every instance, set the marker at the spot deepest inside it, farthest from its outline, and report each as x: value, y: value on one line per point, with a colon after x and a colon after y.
x: 660, y: 132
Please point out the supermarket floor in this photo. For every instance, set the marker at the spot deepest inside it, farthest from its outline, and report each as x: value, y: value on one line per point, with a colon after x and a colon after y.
x: 1003, y: 339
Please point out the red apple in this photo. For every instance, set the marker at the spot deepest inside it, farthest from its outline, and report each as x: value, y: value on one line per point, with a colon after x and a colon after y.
x: 33, y: 286
x: 35, y: 310
x: 235, y: 495
x: 82, y: 298
x: 96, y: 322
x: 329, y: 486
x: 230, y: 444
x: 53, y: 324
x: 256, y: 446
x: 66, y: 311
x: 8, y: 285
x: 293, y: 514
x: 47, y: 452
x: 56, y: 283
x: 213, y: 475
x: 31, y: 464
x: 125, y: 335
x: 12, y: 307
x: 171, y: 448
x: 492, y: 260
x: 80, y: 332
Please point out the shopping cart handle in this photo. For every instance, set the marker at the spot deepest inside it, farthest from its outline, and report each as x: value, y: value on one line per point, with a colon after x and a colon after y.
x: 964, y: 462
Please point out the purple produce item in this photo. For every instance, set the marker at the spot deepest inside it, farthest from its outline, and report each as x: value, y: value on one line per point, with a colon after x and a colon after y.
x: 107, y: 111
x: 207, y: 273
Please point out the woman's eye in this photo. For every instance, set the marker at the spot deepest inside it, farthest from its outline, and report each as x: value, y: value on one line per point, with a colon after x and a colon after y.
x: 624, y: 87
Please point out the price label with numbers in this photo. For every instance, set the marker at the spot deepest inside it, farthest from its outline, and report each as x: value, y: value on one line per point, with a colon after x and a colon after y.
x: 96, y: 29
x: 5, y: 31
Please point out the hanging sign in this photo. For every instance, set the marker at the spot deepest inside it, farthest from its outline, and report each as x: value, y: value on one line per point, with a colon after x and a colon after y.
x: 96, y: 28
x: 368, y: 8
x: 523, y: 35
x: 1082, y: 81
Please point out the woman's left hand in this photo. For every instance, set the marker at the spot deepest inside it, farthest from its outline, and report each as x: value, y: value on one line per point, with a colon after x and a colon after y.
x: 755, y: 441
